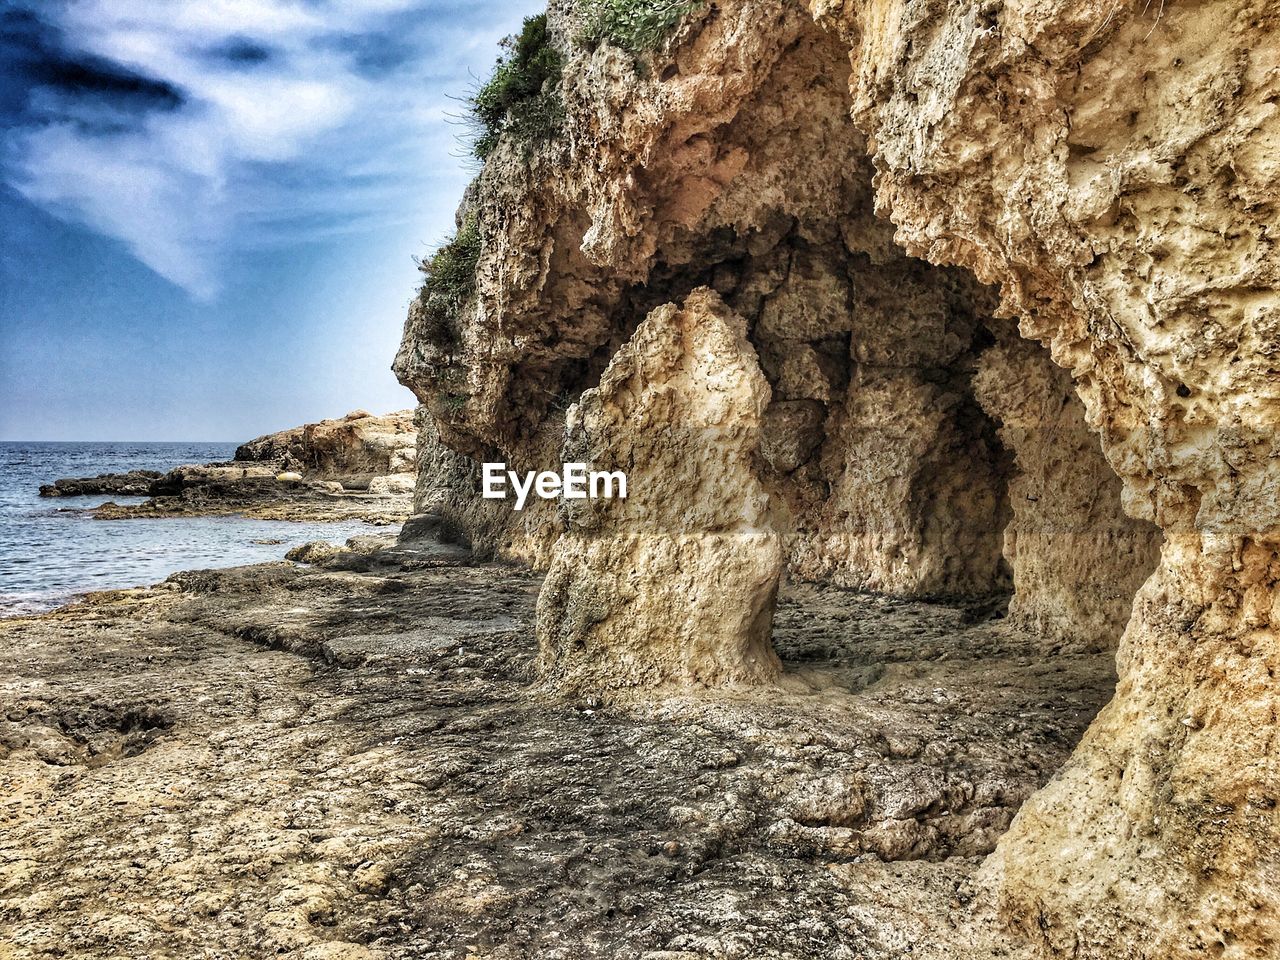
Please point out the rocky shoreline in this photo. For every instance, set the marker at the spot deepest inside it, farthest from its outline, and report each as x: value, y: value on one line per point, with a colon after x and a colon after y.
x: 352, y: 759
x: 262, y: 493
x: 962, y: 300
x: 135, y: 483
x: 359, y: 467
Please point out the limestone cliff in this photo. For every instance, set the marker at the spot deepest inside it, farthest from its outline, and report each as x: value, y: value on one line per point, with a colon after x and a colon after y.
x: 877, y: 190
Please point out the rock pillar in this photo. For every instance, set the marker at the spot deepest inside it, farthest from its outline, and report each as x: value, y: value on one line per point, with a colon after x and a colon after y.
x: 677, y: 582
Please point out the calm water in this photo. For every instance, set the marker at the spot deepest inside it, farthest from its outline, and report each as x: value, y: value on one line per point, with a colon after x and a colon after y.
x: 52, y: 549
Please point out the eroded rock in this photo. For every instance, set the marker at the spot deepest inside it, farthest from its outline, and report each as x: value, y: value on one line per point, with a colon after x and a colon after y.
x: 1110, y: 169
x: 359, y: 444
x: 318, y: 761
x: 361, y: 466
x: 135, y: 483
x: 1077, y: 559
x: 677, y: 581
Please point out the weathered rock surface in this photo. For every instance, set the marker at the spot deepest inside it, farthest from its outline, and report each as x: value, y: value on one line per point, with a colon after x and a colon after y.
x: 259, y: 492
x: 1114, y: 184
x: 359, y: 444
x: 1077, y: 560
x: 675, y: 582
x: 346, y: 760
x: 1110, y: 169
x: 135, y: 483
x: 839, y: 318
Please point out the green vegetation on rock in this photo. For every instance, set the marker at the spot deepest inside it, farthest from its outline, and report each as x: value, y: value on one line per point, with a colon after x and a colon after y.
x: 450, y: 280
x: 454, y: 402
x: 636, y: 26
x: 522, y: 98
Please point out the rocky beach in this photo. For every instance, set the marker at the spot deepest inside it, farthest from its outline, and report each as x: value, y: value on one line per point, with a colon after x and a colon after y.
x: 933, y: 610
x: 360, y: 467
x: 354, y: 758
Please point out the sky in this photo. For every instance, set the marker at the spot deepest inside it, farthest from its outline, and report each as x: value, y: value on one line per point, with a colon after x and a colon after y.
x: 210, y: 209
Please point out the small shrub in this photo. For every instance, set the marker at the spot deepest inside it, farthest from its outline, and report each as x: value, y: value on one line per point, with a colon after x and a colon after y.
x: 450, y: 281
x: 636, y: 26
x: 522, y: 98
x: 452, y: 268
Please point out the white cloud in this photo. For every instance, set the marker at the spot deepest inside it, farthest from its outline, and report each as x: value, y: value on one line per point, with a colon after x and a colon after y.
x: 306, y: 143
x: 169, y: 218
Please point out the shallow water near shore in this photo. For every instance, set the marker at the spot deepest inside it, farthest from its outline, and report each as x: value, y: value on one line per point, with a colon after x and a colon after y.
x: 52, y: 549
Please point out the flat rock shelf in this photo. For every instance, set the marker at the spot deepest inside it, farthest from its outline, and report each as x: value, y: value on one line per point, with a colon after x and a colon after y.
x: 354, y: 759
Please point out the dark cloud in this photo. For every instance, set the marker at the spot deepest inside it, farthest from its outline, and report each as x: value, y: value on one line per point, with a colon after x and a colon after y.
x: 247, y: 125
x: 92, y: 76
x: 22, y: 45
x: 241, y: 52
x: 373, y: 54
x: 33, y: 57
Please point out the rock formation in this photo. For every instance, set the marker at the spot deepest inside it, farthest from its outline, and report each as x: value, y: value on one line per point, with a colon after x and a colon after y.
x: 678, y: 580
x: 135, y: 483
x: 361, y: 466
x: 359, y: 444
x: 1109, y: 170
x: 1077, y: 560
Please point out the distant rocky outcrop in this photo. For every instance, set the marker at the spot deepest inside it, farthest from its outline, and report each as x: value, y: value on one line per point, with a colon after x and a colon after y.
x: 359, y: 444
x: 358, y: 467
x: 135, y: 483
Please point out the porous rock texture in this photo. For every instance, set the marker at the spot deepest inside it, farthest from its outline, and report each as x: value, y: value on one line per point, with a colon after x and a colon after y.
x: 344, y: 761
x: 359, y: 444
x: 1077, y: 560
x: 677, y: 580
x: 889, y: 474
x: 1110, y: 169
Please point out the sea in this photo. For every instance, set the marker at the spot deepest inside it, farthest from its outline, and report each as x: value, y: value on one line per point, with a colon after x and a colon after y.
x: 52, y: 550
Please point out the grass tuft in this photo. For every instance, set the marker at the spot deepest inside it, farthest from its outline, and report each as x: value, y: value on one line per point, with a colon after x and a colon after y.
x: 637, y: 26
x: 450, y: 281
x: 522, y: 98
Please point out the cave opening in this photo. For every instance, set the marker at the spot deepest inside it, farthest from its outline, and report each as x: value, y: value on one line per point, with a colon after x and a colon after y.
x: 952, y: 536
x: 916, y: 444
x: 930, y: 469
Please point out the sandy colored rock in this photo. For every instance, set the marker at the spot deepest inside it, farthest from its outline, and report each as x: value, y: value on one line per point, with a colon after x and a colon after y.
x: 395, y: 484
x: 676, y: 582
x: 1110, y: 170
x: 832, y: 306
x: 1077, y: 559
x: 357, y: 444
x: 286, y: 761
x: 318, y: 472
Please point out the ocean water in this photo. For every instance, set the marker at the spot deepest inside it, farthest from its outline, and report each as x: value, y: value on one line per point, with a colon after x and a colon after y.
x: 52, y: 549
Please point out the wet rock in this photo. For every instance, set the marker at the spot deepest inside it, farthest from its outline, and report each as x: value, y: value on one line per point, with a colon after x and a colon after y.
x: 135, y: 483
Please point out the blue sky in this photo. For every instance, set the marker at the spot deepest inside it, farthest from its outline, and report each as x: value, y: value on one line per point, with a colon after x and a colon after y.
x: 209, y: 209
